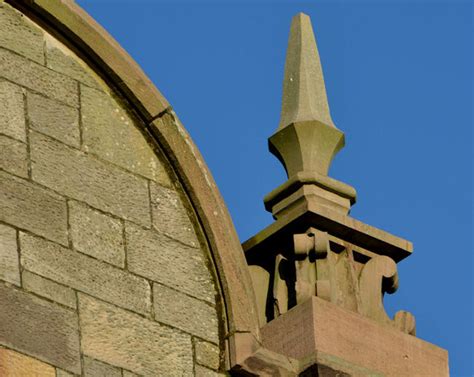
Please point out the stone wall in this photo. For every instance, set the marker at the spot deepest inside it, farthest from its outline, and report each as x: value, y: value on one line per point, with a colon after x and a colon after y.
x: 103, y: 271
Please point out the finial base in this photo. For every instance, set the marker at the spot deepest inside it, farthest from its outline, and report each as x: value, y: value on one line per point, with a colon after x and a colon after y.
x: 306, y: 187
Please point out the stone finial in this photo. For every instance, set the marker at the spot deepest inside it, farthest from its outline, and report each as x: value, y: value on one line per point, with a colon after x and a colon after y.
x: 314, y: 248
x: 304, y: 92
x: 306, y: 140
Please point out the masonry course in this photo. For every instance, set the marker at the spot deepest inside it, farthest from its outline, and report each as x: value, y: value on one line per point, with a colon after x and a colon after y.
x: 60, y: 59
x: 120, y: 338
x: 207, y: 354
x: 76, y: 167
x: 38, y: 78
x: 12, y: 121
x: 19, y: 34
x: 204, y: 372
x: 63, y: 373
x: 166, y: 261
x: 96, y: 368
x: 53, y: 119
x: 184, y: 312
x: 13, y: 156
x: 30, y: 206
x: 96, y: 234
x: 39, y: 322
x: 47, y: 288
x: 87, y: 179
x: 84, y: 273
x: 9, y: 266
x: 15, y: 364
x: 108, y: 133
x: 169, y: 215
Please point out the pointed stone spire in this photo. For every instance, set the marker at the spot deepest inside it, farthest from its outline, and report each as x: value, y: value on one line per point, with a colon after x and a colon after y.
x: 307, y: 139
x: 304, y: 92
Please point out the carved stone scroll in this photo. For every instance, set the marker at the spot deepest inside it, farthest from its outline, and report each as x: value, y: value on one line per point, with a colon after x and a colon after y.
x: 378, y: 276
x: 310, y: 248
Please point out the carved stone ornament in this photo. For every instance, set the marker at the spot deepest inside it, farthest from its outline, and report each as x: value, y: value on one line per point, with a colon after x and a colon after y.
x: 314, y: 248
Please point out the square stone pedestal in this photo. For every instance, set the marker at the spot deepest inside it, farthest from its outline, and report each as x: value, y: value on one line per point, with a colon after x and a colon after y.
x: 325, y: 337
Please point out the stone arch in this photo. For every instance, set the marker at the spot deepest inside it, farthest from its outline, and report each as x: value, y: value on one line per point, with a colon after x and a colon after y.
x: 79, y: 32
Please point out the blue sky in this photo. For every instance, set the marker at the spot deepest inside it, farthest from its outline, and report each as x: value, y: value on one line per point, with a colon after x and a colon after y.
x: 399, y: 81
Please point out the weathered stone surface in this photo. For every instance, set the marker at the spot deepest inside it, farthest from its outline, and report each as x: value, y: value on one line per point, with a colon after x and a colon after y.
x: 84, y: 178
x: 204, y: 372
x: 15, y: 364
x: 260, y: 281
x: 111, y: 133
x: 38, y: 323
x: 61, y: 59
x: 12, y: 121
x: 54, y: 119
x: 126, y: 373
x: 96, y: 368
x: 13, y: 156
x: 165, y: 261
x: 49, y: 289
x: 9, y: 259
x: 207, y: 354
x: 19, y: 34
x: 169, y: 215
x: 85, y: 274
x: 360, y: 344
x: 33, y: 76
x: 34, y: 208
x: 63, y: 373
x: 96, y: 234
x: 186, y: 313
x: 127, y: 340
x: 304, y: 93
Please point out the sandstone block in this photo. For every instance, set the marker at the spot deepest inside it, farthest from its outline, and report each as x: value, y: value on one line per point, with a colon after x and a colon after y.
x: 112, y: 134
x: 60, y: 59
x: 87, y: 179
x: 15, y: 364
x: 169, y: 215
x: 127, y: 340
x: 96, y: 234
x: 63, y: 373
x: 95, y: 368
x: 169, y: 262
x: 186, y: 313
x: 303, y: 333
x: 13, y: 156
x: 28, y: 323
x: 126, y: 373
x: 19, y: 34
x: 49, y: 289
x: 54, y: 119
x: 85, y: 274
x: 33, y: 76
x: 12, y: 121
x: 204, y: 372
x: 28, y: 206
x: 207, y: 354
x: 9, y: 259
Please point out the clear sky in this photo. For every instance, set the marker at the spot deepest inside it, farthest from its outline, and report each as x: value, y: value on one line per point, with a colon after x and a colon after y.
x: 399, y: 80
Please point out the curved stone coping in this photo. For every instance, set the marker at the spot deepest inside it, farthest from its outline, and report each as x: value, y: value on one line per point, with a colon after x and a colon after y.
x: 74, y: 27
